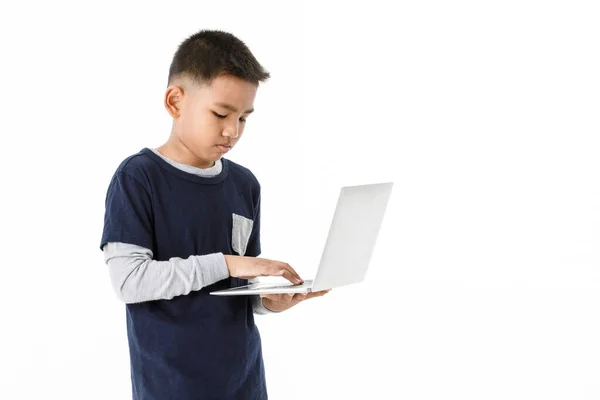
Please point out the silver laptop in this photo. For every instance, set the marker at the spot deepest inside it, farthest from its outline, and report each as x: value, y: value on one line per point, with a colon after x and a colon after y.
x: 349, y: 246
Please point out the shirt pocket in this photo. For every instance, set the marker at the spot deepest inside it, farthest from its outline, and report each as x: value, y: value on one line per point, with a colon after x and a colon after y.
x: 240, y: 233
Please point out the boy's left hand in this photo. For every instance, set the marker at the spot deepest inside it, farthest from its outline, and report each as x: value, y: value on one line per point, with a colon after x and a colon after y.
x: 284, y: 301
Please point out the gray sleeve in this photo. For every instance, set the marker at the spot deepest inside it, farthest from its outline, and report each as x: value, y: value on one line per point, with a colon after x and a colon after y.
x: 136, y: 277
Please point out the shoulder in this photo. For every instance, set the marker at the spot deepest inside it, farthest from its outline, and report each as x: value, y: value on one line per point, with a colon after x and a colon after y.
x: 243, y: 174
x: 245, y: 181
x: 138, y: 167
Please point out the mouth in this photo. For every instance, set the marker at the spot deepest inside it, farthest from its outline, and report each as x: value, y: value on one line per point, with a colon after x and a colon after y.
x: 223, y: 148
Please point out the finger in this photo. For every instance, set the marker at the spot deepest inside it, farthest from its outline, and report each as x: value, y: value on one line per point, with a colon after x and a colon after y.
x: 292, y: 278
x: 272, y: 268
x: 289, y: 273
x: 300, y: 296
x: 293, y: 271
x: 317, y: 294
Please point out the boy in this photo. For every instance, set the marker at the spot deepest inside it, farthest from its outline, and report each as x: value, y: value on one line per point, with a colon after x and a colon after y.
x: 182, y: 221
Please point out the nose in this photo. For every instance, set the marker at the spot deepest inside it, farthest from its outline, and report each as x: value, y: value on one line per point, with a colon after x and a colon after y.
x: 232, y: 131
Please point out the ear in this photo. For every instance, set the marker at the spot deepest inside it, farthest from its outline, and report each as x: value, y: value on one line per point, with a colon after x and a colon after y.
x: 173, y: 100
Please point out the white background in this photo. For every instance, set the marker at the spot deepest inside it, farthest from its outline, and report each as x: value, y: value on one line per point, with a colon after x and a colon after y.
x: 485, y: 282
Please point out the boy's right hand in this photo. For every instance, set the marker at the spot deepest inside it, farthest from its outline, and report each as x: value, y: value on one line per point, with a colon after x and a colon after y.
x: 251, y: 267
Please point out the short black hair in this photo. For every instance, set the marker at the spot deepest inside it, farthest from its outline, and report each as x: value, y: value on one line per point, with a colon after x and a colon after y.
x: 208, y: 54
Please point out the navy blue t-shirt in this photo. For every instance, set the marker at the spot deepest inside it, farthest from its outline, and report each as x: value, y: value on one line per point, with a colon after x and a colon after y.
x: 194, y: 346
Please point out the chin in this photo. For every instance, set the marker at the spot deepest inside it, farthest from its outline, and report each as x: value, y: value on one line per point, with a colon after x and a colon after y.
x: 207, y: 156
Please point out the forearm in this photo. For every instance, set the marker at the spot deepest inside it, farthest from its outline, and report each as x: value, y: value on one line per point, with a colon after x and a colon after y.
x: 136, y: 277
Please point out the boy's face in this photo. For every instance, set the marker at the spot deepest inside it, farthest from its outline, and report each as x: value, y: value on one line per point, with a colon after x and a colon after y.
x: 206, y: 118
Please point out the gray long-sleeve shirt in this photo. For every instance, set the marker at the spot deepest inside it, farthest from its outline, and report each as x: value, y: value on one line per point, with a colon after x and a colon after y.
x: 136, y: 277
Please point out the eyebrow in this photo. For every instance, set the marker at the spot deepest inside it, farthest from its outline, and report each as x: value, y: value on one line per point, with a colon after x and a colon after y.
x: 232, y: 108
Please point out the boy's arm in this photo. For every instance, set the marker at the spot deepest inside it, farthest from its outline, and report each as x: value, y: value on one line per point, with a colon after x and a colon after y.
x: 136, y: 277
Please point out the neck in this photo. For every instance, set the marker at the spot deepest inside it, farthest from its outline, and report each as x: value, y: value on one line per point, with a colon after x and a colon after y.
x: 177, y: 151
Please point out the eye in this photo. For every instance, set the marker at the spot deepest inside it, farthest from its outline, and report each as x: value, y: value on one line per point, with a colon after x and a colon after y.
x: 225, y: 116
